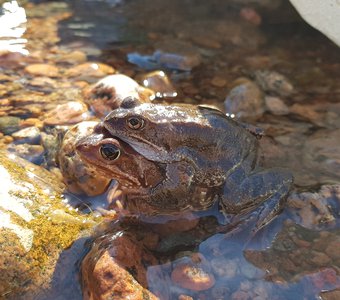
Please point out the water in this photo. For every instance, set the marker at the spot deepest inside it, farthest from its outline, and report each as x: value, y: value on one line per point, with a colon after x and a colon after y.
x: 296, y: 257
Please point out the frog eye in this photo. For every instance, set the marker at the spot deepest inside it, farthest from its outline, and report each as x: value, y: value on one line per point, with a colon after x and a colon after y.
x: 109, y: 151
x: 135, y: 123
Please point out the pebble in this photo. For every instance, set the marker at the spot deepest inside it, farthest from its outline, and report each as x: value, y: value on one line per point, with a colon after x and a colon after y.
x: 160, y: 83
x: 9, y: 125
x: 193, y: 275
x: 276, y: 106
x: 42, y: 70
x: 73, y: 57
x: 29, y: 135
x: 108, y: 93
x: 218, y: 82
x: 224, y: 267
x: 32, y: 153
x: 245, y: 100
x: 274, y: 82
x: 249, y: 14
x: 67, y: 113
x: 90, y: 70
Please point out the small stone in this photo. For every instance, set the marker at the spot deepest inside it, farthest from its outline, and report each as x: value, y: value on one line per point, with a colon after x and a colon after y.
x: 307, y: 112
x: 218, y: 82
x: 9, y: 125
x: 193, y: 276
x: 73, y: 57
x: 68, y: 113
x: 32, y: 153
x: 249, y: 14
x: 224, y: 267
x: 160, y: 83
x: 29, y: 135
x: 333, y: 249
x: 32, y: 122
x: 185, y: 297
x: 274, y: 82
x: 108, y: 93
x: 42, y: 70
x: 320, y: 259
x: 89, y: 70
x: 276, y: 106
x: 330, y: 295
x: 245, y: 100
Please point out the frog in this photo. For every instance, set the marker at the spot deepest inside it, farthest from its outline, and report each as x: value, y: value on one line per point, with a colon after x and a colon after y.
x: 205, y: 153
x: 136, y: 176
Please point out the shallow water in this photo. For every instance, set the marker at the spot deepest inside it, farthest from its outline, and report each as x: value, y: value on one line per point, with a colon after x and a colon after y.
x: 221, y: 47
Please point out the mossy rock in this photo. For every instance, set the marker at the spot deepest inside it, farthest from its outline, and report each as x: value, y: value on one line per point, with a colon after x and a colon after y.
x: 37, y: 233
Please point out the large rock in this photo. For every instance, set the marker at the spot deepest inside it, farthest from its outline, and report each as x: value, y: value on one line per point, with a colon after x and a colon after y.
x: 36, y: 228
x: 323, y: 15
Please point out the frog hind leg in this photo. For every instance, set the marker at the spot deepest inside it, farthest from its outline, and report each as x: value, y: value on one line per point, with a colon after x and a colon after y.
x: 259, y: 195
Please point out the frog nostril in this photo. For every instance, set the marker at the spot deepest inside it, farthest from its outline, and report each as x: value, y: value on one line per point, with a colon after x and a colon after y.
x: 109, y: 151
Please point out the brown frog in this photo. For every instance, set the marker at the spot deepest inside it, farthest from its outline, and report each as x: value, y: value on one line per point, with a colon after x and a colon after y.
x: 204, y: 156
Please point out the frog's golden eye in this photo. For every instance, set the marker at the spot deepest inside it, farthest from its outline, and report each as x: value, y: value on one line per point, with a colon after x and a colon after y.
x: 109, y: 151
x: 135, y: 123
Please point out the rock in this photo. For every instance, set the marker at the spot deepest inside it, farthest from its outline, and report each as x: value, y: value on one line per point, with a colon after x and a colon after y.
x: 9, y: 125
x: 29, y: 135
x: 274, y: 82
x: 193, y: 274
x: 105, y: 269
x: 307, y: 112
x: 218, y: 82
x: 108, y: 93
x: 330, y: 295
x: 89, y: 71
x: 73, y: 57
x: 322, y: 153
x: 79, y: 177
x: 32, y: 153
x: 175, y: 56
x: 160, y: 83
x: 276, y: 106
x: 223, y: 267
x: 332, y: 249
x: 35, y: 228
x: 68, y: 113
x: 245, y: 100
x: 322, y: 15
x: 42, y: 70
x: 249, y: 14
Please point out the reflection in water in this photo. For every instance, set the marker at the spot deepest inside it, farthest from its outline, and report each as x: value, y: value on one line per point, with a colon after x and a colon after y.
x: 12, y: 27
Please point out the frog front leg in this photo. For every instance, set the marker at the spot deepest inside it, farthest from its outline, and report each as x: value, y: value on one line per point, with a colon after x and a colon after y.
x: 261, y: 194
x: 173, y: 192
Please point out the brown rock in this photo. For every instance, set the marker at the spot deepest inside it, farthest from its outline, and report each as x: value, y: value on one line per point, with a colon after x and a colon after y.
x: 42, y: 70
x: 69, y: 113
x: 105, y: 268
x: 330, y: 295
x: 160, y: 83
x: 192, y: 275
x: 276, y: 106
x: 90, y: 69
x: 218, y: 82
x: 333, y: 249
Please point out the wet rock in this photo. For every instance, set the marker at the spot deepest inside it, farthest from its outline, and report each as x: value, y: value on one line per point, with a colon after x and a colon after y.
x: 78, y: 176
x: 218, y: 82
x: 73, y: 57
x: 9, y: 125
x: 276, y: 106
x: 90, y: 71
x: 249, y: 14
x: 32, y: 153
x: 108, y: 93
x: 175, y: 56
x: 29, y: 135
x: 332, y: 249
x: 105, y: 269
x: 245, y: 100
x: 67, y: 113
x: 223, y: 267
x: 193, y: 274
x: 42, y: 70
x: 35, y: 227
x: 307, y: 112
x: 274, y: 82
x: 322, y: 153
x: 160, y: 83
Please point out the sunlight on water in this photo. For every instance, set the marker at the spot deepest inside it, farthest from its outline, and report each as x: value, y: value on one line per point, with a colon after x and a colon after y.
x: 12, y: 27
